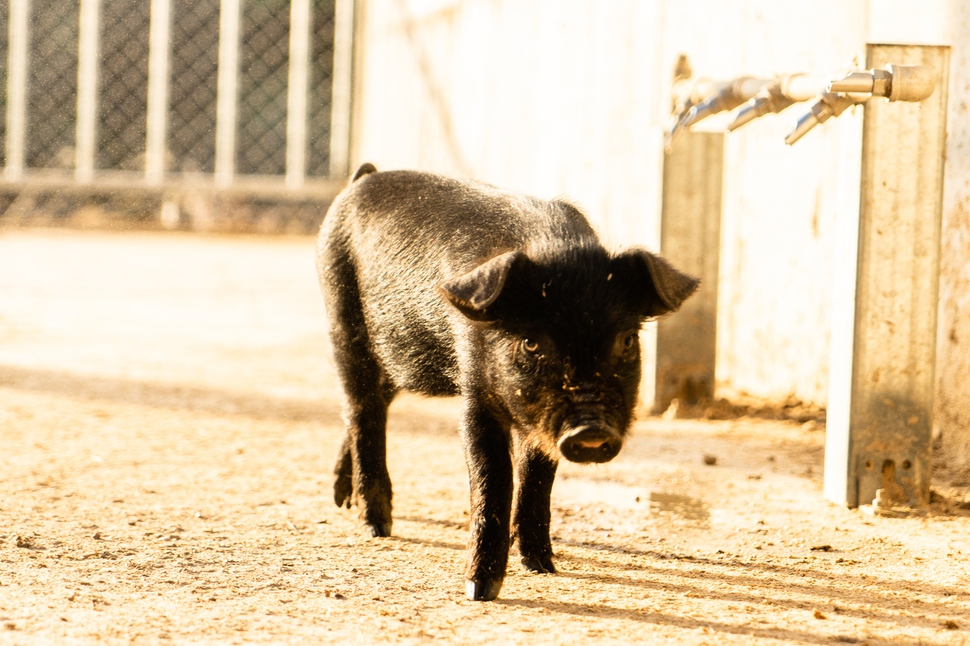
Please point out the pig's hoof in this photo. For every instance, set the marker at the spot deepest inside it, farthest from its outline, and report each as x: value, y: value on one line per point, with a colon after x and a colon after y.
x: 482, y: 590
x: 539, y: 564
x: 343, y: 489
x: 379, y: 530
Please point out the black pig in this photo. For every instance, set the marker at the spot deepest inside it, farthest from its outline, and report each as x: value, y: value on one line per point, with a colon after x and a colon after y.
x: 444, y: 287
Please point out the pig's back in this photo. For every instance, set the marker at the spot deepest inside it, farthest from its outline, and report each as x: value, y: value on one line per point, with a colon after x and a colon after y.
x: 405, y: 232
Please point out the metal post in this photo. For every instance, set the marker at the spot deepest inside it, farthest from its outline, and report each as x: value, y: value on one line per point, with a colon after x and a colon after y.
x: 227, y: 91
x: 158, y: 58
x: 17, y: 88
x: 342, y: 93
x: 884, y: 332
x: 690, y: 237
x: 88, y: 46
x: 296, y: 96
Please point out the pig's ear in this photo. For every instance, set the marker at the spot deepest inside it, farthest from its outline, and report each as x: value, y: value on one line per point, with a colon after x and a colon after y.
x: 660, y: 287
x: 474, y: 292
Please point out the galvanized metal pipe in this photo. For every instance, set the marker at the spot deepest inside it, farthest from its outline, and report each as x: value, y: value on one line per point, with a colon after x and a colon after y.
x: 895, y: 82
x: 759, y: 96
x: 88, y: 46
x: 827, y: 105
x: 158, y: 81
x: 16, y: 135
x: 227, y: 90
x: 342, y: 93
x: 296, y: 93
x: 686, y: 93
x: 776, y: 96
x: 731, y: 96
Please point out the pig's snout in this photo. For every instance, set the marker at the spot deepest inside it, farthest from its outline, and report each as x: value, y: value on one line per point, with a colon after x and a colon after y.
x: 590, y: 444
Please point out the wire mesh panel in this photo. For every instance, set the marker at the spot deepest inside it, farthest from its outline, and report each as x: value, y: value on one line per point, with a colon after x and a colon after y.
x: 123, y: 96
x: 192, y: 97
x: 97, y: 71
x: 264, y: 58
x: 321, y: 88
x: 52, y: 84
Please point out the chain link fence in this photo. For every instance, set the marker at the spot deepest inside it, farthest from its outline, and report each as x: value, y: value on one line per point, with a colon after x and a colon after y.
x: 192, y: 109
x: 73, y: 95
x: 262, y: 88
x: 123, y: 84
x: 52, y: 87
x: 321, y: 84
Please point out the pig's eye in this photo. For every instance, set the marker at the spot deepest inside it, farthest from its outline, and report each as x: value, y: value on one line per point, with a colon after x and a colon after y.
x: 629, y: 341
x: 530, y: 346
x: 626, y: 347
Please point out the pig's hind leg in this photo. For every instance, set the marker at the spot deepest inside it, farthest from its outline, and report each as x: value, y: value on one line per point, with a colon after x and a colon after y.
x: 343, y: 472
x: 531, y: 515
x: 361, y: 475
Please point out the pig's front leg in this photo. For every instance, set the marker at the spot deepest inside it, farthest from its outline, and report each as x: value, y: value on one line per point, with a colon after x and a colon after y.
x: 531, y: 517
x: 490, y: 478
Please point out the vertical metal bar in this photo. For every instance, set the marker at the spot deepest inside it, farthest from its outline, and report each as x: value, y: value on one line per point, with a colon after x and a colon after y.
x: 879, y: 432
x: 227, y: 93
x: 342, y: 97
x: 88, y: 47
x: 296, y: 99
x: 17, y: 88
x: 690, y: 237
x: 158, y: 79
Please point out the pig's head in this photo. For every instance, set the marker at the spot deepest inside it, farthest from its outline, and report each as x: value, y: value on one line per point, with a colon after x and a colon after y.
x: 557, y: 348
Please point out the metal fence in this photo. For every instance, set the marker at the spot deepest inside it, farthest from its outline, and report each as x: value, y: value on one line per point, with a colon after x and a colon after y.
x: 240, y: 95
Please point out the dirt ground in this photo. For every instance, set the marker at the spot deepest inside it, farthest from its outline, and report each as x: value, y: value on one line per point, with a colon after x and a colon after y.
x: 168, y: 421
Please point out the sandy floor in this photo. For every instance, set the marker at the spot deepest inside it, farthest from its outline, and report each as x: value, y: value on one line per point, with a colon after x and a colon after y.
x: 168, y: 421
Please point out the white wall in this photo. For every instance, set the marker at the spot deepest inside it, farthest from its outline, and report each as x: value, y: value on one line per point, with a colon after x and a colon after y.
x: 780, y: 204
x: 548, y: 97
x: 569, y: 97
x: 953, y: 336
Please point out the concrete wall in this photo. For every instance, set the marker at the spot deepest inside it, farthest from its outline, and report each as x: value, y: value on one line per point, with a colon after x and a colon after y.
x: 953, y: 336
x: 569, y: 97
x: 548, y: 97
x: 781, y: 204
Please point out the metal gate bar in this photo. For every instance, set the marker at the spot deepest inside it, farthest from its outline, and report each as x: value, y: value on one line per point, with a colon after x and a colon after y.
x: 17, y: 89
x: 159, y: 101
x: 158, y: 55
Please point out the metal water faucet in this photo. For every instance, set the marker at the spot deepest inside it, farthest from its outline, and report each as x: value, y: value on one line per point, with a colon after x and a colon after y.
x: 687, y: 94
x: 826, y: 106
x: 911, y: 83
x: 896, y: 82
x: 695, y: 99
x: 779, y: 94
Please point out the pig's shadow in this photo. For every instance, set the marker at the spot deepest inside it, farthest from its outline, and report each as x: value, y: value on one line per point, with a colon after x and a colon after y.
x: 601, y: 611
x: 765, y: 572
x: 172, y: 396
x: 427, y: 543
x: 721, y: 586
